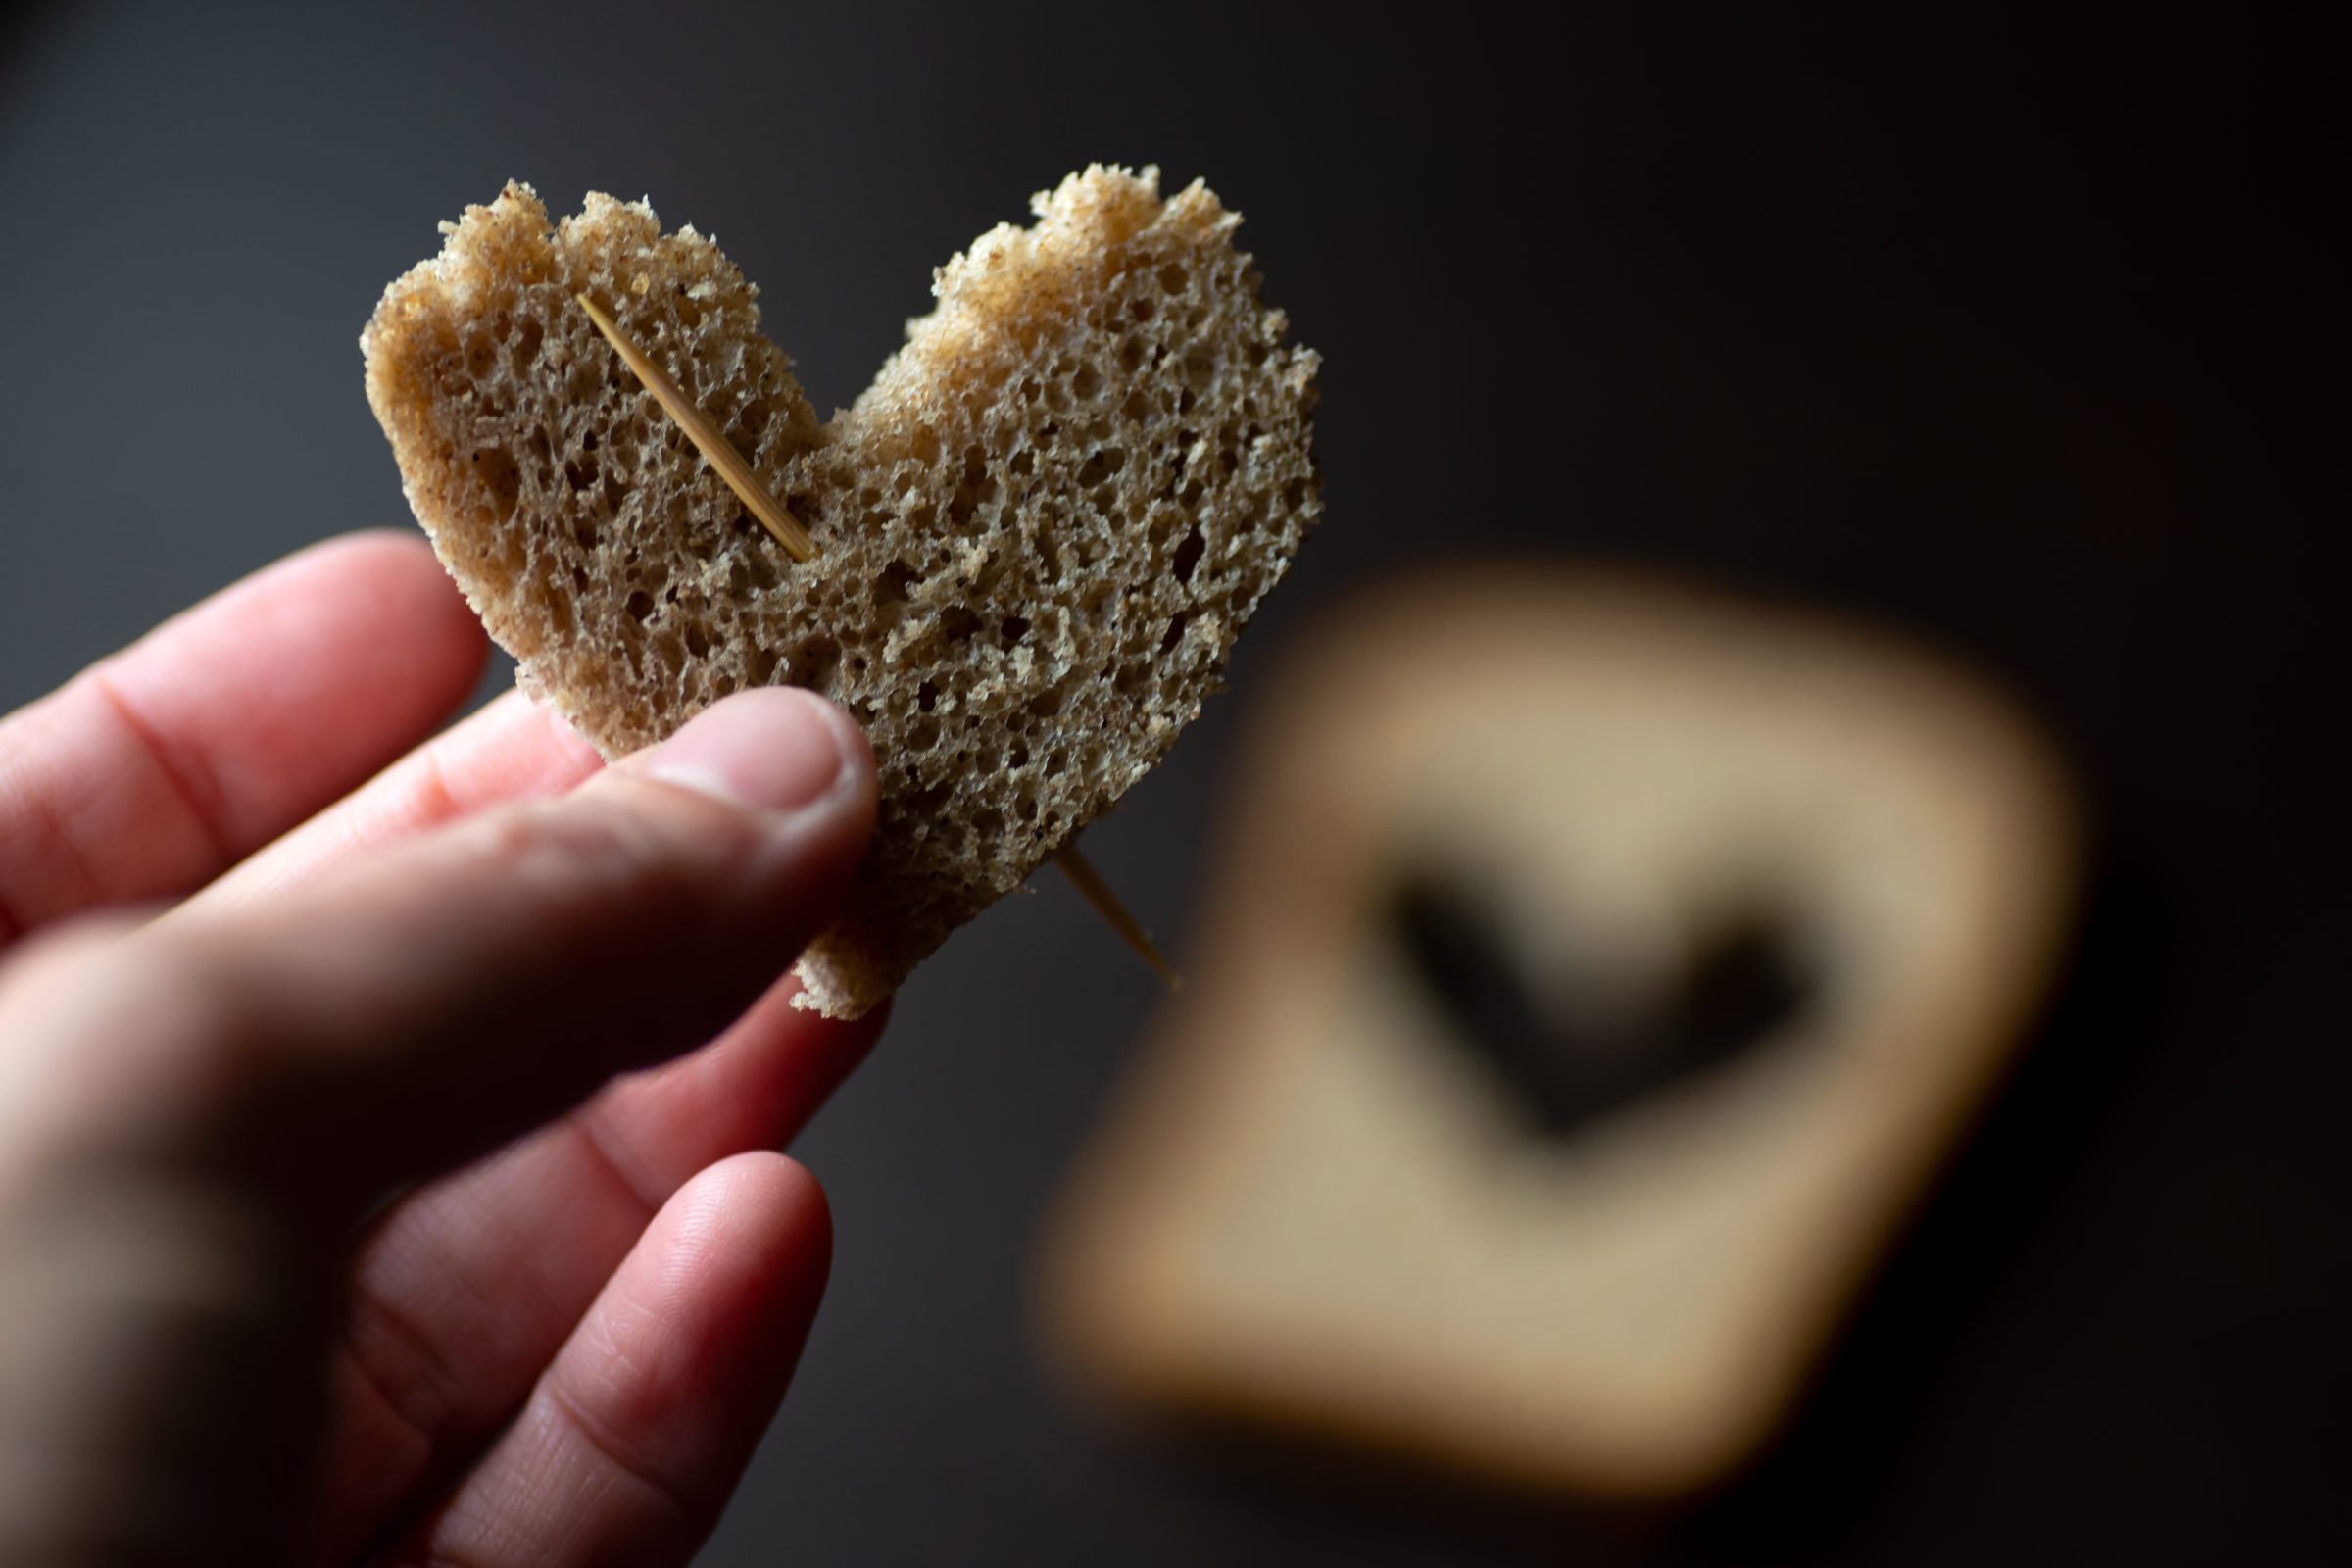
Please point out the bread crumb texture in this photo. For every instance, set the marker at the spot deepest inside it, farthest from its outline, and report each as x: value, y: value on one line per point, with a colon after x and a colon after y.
x: 1037, y: 533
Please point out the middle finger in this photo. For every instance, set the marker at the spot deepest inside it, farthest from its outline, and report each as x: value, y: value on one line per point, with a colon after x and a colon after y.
x: 510, y: 750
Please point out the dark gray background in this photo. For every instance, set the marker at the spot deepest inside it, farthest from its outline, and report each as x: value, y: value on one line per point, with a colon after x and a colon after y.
x: 2018, y: 330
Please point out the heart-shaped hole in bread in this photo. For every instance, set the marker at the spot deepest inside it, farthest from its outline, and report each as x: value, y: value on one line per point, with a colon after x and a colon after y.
x: 1037, y: 533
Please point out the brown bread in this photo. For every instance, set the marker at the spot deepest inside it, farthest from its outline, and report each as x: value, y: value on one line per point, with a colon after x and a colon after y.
x: 1037, y: 533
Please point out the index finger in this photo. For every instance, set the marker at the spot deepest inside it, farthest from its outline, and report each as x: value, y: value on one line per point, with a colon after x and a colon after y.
x: 152, y: 770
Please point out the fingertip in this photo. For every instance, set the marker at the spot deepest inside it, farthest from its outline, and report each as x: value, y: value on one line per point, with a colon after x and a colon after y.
x: 806, y: 1199
x: 760, y: 1208
x: 643, y: 1424
x: 753, y: 1088
x: 747, y: 1247
x: 696, y: 1337
x: 394, y: 559
x: 389, y: 546
x: 771, y: 748
x: 380, y: 624
x: 797, y: 764
x: 403, y: 566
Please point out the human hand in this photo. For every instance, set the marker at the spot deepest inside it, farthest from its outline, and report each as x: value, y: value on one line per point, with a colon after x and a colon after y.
x: 560, y: 1352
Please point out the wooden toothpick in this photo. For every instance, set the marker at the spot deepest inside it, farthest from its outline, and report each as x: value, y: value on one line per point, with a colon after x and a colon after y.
x: 1104, y: 902
x: 704, y: 434
x: 731, y: 466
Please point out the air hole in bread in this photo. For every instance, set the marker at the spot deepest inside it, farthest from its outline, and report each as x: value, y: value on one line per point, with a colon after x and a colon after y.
x: 1013, y: 629
x: 926, y: 697
x: 923, y: 733
x: 813, y: 666
x: 502, y: 476
x: 891, y: 587
x: 1188, y: 555
x: 751, y: 423
x: 1100, y: 465
x: 923, y: 804
x: 543, y: 458
x: 1175, y: 633
x: 639, y: 607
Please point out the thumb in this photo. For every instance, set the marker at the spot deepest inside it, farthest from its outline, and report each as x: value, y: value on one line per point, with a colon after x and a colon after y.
x: 419, y: 1007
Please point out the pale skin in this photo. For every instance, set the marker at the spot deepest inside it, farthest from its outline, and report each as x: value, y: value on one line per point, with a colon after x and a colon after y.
x: 389, y: 1126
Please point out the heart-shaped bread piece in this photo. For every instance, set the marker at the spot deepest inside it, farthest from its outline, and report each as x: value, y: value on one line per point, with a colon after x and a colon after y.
x: 1037, y: 533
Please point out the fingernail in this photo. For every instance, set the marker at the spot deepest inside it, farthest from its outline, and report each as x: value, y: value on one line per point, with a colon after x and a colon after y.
x: 774, y: 749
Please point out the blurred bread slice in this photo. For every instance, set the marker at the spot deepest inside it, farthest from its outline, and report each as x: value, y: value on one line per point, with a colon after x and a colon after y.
x: 1320, y: 1206
x: 1037, y: 533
